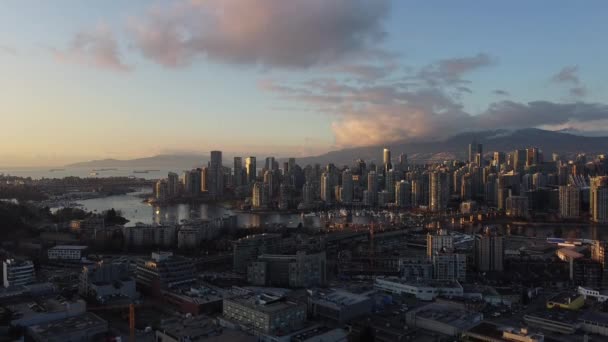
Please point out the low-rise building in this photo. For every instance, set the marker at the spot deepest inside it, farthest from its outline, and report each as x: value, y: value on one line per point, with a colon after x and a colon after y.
x: 265, y: 313
x: 490, y: 332
x: 423, y: 289
x: 42, y: 311
x: 17, y: 272
x: 451, y: 320
x: 555, y: 320
x: 144, y: 235
x: 67, y: 252
x: 164, y: 271
x: 84, y: 327
x: 102, y: 282
x: 339, y: 306
x: 291, y: 270
x: 566, y: 300
x: 198, y: 328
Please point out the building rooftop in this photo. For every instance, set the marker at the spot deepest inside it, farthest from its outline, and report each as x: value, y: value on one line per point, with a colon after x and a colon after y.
x: 559, y: 315
x: 448, y: 314
x: 594, y: 316
x: 69, y: 247
x: 49, y: 331
x: 564, y: 297
x: 425, y: 283
x: 338, y: 298
x: 263, y: 302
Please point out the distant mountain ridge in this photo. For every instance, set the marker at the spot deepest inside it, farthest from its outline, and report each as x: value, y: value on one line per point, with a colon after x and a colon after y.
x: 454, y: 147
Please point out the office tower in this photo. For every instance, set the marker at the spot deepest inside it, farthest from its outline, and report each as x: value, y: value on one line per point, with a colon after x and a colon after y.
x: 269, y: 163
x: 499, y: 160
x: 372, y: 188
x: 251, y: 168
x: 161, y: 190
x: 539, y: 180
x: 215, y: 174
x: 284, y: 197
x: 192, y: 182
x: 598, y: 202
x: 491, y: 190
x: 569, y: 201
x: 17, y: 272
x: 348, y: 187
x: 205, y: 179
x: 389, y: 180
x: 269, y: 183
x: 386, y: 159
x: 326, y: 187
x: 237, y: 171
x: 308, y: 194
x: 438, y: 191
x: 173, y: 184
x: 519, y: 160
x: 439, y: 242
x: 489, y: 252
x: 475, y: 149
x: 403, y: 194
x: 466, y: 187
x: 291, y: 164
x: 532, y: 156
x: 259, y: 196
x: 403, y: 162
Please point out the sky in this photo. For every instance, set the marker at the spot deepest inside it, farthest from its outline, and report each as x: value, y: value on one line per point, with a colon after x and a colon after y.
x: 83, y: 80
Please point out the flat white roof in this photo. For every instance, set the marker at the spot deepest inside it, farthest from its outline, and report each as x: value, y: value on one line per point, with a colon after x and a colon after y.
x: 69, y: 247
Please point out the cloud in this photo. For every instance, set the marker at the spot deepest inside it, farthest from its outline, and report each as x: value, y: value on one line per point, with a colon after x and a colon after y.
x: 96, y: 48
x: 8, y: 50
x: 268, y: 33
x: 365, y: 114
x: 501, y: 92
x: 568, y: 74
x: 578, y: 91
x: 448, y: 72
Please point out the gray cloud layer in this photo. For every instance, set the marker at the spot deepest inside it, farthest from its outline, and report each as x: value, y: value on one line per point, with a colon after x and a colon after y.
x: 97, y: 47
x: 428, y: 106
x: 270, y: 33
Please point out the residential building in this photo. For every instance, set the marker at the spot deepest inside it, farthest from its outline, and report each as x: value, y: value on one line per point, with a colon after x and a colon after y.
x: 17, y: 272
x: 164, y: 271
x: 294, y: 270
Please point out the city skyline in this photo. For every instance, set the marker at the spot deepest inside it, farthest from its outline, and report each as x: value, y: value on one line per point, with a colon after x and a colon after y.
x: 125, y: 80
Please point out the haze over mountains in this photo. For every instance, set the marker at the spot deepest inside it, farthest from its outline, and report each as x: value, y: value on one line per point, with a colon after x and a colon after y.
x: 454, y: 147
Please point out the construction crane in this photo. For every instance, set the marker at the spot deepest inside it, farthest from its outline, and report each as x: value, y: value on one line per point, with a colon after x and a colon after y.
x: 132, y: 322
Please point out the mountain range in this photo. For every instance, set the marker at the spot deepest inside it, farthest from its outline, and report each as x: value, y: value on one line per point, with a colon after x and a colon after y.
x: 454, y: 147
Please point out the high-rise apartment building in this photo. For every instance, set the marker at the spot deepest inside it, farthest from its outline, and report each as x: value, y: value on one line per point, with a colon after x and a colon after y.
x: 372, y: 188
x: 251, y: 168
x: 475, y: 150
x: 348, y: 187
x: 569, y: 201
x: 403, y: 194
x: 489, y: 252
x: 439, y: 243
x: 598, y: 204
x: 439, y: 190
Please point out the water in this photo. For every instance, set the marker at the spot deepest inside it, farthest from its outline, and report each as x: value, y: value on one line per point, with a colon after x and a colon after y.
x: 38, y: 173
x: 135, y: 210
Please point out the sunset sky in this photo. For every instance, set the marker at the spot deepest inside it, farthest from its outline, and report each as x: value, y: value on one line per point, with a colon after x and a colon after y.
x: 86, y: 80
